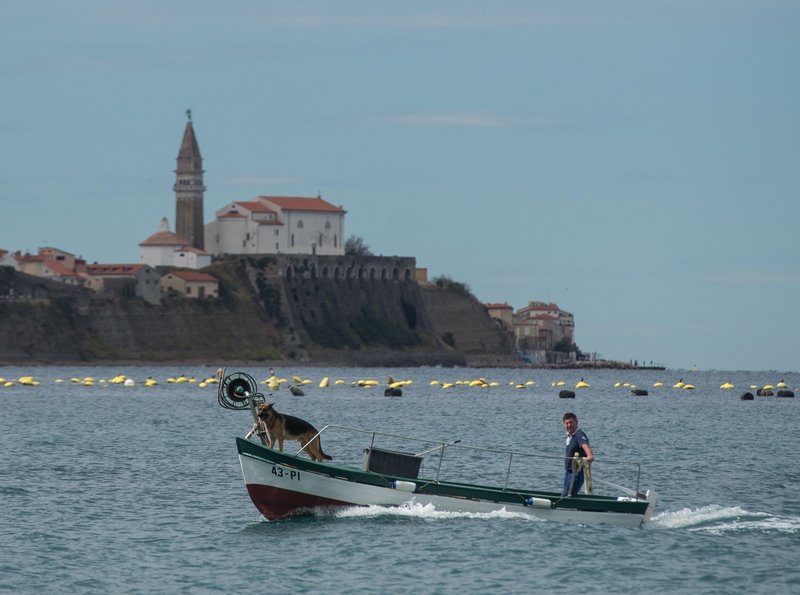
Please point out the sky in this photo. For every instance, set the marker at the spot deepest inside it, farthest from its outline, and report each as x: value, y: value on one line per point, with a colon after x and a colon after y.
x: 636, y: 162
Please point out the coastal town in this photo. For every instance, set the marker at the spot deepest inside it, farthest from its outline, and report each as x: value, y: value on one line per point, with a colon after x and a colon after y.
x: 173, y: 264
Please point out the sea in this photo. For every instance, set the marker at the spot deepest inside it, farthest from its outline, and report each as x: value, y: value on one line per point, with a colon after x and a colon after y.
x: 108, y: 488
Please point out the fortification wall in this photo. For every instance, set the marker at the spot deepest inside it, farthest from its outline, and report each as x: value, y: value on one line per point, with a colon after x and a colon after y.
x: 342, y: 310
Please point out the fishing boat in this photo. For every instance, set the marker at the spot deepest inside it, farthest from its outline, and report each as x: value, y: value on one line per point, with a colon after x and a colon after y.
x: 285, y: 484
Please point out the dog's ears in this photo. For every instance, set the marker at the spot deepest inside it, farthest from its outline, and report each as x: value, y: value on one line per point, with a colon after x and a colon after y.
x: 268, y: 405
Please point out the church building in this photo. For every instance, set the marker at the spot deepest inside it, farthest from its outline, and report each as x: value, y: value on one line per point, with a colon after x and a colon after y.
x: 262, y: 225
x: 277, y: 225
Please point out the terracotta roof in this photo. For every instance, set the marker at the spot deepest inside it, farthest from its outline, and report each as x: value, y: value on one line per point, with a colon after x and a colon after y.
x: 255, y: 206
x: 108, y: 270
x: 499, y: 306
x: 31, y: 258
x: 544, y: 317
x: 193, y: 276
x: 164, y: 238
x: 47, y: 250
x: 190, y: 249
x: 59, y: 269
x: 299, y: 203
x: 232, y: 215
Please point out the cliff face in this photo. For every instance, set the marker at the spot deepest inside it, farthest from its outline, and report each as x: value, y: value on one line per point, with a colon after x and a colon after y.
x: 369, y: 319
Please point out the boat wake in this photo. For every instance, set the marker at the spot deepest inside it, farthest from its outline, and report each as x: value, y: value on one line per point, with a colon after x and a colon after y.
x: 721, y: 520
x: 427, y: 512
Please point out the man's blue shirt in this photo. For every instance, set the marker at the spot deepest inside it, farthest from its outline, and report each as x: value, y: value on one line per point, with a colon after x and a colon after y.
x: 575, y: 446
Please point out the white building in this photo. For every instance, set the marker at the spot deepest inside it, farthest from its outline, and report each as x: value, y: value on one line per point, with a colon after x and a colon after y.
x: 167, y: 249
x: 277, y: 225
x: 8, y: 260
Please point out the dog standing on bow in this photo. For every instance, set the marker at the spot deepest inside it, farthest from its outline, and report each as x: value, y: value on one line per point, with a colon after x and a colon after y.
x: 280, y: 427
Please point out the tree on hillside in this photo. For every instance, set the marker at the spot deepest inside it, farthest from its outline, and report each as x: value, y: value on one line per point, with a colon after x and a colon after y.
x: 355, y: 246
x: 566, y: 346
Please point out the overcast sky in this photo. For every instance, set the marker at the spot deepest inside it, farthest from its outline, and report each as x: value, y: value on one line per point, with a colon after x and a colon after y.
x: 635, y: 162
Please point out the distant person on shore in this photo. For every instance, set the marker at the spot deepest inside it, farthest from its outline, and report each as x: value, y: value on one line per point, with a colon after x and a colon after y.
x: 577, y: 444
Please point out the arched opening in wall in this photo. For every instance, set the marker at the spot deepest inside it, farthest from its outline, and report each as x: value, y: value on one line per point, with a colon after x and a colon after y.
x: 395, y: 274
x: 349, y: 272
x: 372, y: 273
x: 313, y: 272
x: 289, y: 273
x: 383, y: 274
x: 324, y: 272
x: 337, y: 273
x: 407, y: 275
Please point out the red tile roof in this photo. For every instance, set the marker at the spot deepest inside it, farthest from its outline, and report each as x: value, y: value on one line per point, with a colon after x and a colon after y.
x: 499, y: 306
x: 164, y: 238
x: 299, y: 203
x: 194, y: 276
x: 232, y: 215
x: 116, y: 270
x: 59, y: 269
x: 255, y: 207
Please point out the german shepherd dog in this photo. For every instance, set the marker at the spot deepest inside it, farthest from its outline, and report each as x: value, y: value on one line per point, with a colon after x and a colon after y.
x: 280, y: 427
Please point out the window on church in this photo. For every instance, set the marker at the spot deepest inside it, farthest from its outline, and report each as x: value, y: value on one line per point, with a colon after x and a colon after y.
x: 327, y: 225
x: 300, y: 224
x: 292, y: 244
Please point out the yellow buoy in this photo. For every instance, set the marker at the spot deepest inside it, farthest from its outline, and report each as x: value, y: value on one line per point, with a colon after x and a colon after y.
x: 324, y: 382
x: 726, y: 385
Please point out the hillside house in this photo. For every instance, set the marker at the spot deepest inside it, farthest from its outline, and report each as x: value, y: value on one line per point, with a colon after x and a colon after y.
x: 141, y: 278
x: 190, y: 284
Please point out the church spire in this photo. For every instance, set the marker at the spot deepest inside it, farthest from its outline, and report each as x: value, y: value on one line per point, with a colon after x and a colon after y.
x: 189, y: 188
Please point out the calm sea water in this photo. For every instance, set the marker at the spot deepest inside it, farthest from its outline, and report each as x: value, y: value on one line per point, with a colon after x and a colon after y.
x: 113, y: 489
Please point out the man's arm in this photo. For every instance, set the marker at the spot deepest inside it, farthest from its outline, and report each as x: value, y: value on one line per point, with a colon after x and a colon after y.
x: 589, y: 454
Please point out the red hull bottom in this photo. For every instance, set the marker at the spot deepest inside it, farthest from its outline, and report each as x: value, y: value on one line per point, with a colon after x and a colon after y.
x: 275, y: 503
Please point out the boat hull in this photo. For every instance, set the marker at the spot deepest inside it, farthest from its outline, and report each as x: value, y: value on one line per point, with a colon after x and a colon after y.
x: 282, y: 485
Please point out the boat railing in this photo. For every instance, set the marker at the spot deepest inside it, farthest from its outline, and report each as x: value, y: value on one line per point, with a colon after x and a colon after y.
x: 438, y: 448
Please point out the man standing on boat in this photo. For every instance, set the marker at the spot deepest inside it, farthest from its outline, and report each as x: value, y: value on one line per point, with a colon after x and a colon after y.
x: 577, y: 444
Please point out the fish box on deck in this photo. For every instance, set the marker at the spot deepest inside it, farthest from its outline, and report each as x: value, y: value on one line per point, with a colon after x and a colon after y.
x: 390, y: 462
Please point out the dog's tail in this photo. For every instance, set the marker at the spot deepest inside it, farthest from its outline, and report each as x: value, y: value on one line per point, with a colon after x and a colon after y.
x: 324, y: 456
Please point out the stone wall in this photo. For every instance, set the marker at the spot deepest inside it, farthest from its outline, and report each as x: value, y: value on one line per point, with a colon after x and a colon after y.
x: 323, y: 309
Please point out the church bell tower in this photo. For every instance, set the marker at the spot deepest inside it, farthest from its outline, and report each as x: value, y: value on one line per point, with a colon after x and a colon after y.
x: 189, y: 189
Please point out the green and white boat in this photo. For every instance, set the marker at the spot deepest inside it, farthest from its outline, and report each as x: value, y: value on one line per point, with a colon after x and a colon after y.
x: 283, y: 484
